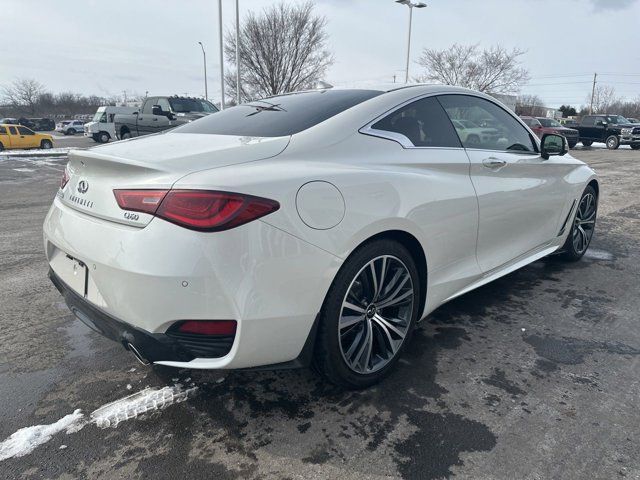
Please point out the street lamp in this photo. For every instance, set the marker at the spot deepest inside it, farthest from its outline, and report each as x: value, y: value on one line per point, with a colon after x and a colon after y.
x: 237, y: 52
x: 204, y: 56
x: 411, y: 6
x: 221, y: 54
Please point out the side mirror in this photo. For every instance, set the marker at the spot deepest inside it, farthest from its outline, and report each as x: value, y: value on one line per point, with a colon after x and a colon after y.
x: 552, y: 144
x: 600, y: 123
x: 157, y: 110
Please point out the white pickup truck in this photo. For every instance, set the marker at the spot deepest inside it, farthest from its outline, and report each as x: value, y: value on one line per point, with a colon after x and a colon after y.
x: 102, y: 127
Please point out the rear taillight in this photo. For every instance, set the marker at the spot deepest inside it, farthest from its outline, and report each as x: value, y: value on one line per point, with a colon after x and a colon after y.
x: 204, y: 210
x: 207, y: 327
x: 65, y: 179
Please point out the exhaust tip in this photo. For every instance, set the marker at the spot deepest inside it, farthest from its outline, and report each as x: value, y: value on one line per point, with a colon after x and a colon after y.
x: 138, y: 355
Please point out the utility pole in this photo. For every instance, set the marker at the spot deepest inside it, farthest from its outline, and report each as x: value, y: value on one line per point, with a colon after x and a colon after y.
x: 593, y: 93
x: 204, y: 56
x: 237, y: 52
x: 221, y: 54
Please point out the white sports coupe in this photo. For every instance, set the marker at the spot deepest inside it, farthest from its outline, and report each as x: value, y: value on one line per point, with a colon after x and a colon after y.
x: 313, y: 227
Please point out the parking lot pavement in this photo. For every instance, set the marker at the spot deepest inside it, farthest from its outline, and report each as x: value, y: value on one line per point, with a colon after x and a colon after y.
x: 533, y: 376
x: 73, y: 141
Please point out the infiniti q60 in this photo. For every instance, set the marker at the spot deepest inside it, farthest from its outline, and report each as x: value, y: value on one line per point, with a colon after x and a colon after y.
x: 315, y: 227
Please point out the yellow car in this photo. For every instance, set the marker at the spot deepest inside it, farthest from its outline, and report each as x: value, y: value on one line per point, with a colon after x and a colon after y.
x: 17, y: 136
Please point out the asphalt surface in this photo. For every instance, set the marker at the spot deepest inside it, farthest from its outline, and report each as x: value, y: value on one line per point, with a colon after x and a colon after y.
x: 536, y: 375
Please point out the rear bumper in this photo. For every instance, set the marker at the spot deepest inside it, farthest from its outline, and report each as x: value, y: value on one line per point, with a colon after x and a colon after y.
x: 152, y: 347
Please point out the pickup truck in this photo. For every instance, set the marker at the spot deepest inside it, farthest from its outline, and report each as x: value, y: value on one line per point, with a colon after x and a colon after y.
x: 612, y: 130
x: 161, y: 113
x: 19, y: 136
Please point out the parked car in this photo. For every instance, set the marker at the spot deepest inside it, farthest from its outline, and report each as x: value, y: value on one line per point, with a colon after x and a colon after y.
x: 43, y: 124
x: 633, y: 120
x: 314, y: 226
x: 19, y: 136
x: 612, y: 130
x: 471, y: 133
x: 102, y: 127
x: 161, y: 113
x: 9, y: 121
x: 543, y: 125
x: 70, y: 127
x: 568, y: 122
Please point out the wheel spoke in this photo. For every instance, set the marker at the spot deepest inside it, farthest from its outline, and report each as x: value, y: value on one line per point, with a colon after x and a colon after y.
x: 353, y: 307
x: 387, y: 335
x: 348, y: 321
x: 395, y: 299
x: 383, y: 272
x: 388, y: 325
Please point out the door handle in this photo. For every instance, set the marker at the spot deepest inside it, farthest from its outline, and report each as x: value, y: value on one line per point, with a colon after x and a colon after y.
x: 494, y: 163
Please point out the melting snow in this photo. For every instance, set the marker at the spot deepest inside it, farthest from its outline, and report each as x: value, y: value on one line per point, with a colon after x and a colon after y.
x: 26, y: 440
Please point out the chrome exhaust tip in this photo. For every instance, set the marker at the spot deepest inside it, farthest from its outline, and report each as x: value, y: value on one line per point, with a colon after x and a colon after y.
x: 138, y: 355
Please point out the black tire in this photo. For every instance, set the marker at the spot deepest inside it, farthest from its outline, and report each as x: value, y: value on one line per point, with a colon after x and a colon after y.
x: 1, y: 147
x: 103, y: 137
x: 636, y: 146
x: 125, y: 134
x: 70, y: 131
x: 572, y: 145
x: 587, y: 143
x: 329, y: 359
x: 570, y: 252
x: 46, y: 144
x: 612, y: 142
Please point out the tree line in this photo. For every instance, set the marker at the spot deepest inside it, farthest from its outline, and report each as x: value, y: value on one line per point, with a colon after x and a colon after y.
x: 284, y: 48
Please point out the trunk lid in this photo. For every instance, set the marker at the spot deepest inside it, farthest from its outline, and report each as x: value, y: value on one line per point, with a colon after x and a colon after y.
x: 153, y: 162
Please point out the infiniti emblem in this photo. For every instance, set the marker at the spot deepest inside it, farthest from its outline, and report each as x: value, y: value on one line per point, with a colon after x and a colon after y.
x: 83, y: 186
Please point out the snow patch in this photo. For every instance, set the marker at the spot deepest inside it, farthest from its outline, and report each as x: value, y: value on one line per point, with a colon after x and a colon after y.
x: 596, y: 254
x: 27, y: 439
x: 27, y: 170
x: 147, y: 400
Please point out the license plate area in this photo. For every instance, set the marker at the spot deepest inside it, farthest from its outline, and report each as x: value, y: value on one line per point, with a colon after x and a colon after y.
x: 72, y: 271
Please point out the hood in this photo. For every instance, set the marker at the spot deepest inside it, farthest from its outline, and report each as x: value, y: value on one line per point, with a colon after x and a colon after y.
x: 152, y: 162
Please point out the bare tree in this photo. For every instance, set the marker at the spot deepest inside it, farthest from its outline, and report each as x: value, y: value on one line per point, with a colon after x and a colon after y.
x: 492, y: 70
x: 283, y: 49
x: 23, y: 93
x: 604, y: 97
x: 530, y: 105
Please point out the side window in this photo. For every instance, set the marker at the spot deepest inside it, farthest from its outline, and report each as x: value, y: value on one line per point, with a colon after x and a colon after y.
x: 491, y: 127
x: 25, y: 131
x: 3, y: 131
x: 13, y: 131
x: 423, y: 122
x: 148, y: 105
x: 164, y: 104
x: 588, y: 121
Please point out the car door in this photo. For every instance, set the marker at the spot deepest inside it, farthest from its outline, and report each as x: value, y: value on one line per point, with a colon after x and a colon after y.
x: 521, y: 196
x: 588, y: 129
x: 5, y: 138
x: 448, y: 211
x: 162, y: 122
x: 26, y: 137
x: 14, y: 138
x: 145, y: 117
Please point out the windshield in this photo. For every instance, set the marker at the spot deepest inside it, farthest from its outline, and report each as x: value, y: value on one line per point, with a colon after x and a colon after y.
x: 188, y: 105
x: 279, y: 116
x: 100, y: 117
x: 549, y: 122
x: 616, y: 119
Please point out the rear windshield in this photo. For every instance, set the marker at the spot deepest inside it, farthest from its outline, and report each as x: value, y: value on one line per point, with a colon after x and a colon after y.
x: 188, y: 105
x: 279, y: 116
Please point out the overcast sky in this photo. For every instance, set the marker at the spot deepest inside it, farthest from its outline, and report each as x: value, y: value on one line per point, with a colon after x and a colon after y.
x: 105, y: 47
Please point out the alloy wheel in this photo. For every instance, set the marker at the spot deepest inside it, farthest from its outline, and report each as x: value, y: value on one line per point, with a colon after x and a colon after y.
x: 376, y: 314
x: 584, y: 223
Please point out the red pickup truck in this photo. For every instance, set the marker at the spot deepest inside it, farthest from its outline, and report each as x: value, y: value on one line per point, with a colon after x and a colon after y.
x: 542, y: 125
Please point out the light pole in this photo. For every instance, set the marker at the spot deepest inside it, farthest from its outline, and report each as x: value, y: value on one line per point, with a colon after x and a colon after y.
x: 237, y: 52
x: 221, y: 54
x: 204, y: 57
x: 411, y: 6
